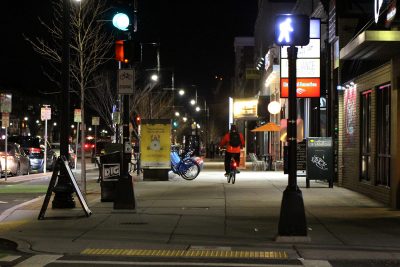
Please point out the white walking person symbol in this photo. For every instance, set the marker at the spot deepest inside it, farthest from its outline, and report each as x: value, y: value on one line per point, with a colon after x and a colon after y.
x: 284, y: 30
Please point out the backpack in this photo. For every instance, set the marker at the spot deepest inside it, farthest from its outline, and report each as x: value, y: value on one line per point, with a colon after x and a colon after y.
x: 234, y: 139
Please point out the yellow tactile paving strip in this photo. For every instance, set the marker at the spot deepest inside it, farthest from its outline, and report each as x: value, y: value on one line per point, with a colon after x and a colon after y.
x: 188, y: 253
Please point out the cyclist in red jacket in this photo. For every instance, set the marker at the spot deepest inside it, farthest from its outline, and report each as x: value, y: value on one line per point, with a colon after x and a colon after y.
x: 234, y: 141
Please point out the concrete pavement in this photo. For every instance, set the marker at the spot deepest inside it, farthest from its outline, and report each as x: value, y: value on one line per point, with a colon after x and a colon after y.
x: 209, y: 213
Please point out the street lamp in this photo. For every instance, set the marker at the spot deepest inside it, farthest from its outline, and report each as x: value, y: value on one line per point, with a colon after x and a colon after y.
x: 154, y: 77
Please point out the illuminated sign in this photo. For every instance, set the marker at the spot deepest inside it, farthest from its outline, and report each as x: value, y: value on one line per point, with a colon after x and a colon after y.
x: 305, y: 87
x: 307, y: 65
x: 304, y: 68
x: 245, y: 108
x: 292, y: 29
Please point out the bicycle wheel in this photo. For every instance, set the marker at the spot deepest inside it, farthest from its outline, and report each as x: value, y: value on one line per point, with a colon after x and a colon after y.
x: 191, y: 169
x: 233, y: 177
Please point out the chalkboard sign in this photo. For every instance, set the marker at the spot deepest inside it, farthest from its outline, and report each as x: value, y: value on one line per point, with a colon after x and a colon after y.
x: 62, y: 163
x: 320, y: 159
x: 301, y: 156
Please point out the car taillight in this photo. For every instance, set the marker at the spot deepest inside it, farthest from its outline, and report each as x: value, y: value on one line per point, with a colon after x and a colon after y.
x: 92, y: 146
x: 86, y: 146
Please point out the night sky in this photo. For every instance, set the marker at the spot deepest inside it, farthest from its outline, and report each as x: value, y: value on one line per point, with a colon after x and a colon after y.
x: 196, y: 39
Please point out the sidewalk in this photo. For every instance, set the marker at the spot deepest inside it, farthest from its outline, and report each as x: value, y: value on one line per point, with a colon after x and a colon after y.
x: 208, y: 212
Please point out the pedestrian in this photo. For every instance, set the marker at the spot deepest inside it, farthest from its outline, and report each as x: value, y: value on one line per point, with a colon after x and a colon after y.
x: 212, y: 149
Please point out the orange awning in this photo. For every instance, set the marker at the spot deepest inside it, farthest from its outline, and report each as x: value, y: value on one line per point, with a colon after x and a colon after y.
x: 269, y: 127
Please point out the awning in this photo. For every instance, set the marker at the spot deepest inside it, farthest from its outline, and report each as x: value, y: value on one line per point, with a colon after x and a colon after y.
x: 373, y: 45
x: 269, y: 127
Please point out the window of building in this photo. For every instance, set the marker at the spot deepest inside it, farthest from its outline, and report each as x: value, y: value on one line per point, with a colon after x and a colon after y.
x: 365, y: 135
x: 383, y: 135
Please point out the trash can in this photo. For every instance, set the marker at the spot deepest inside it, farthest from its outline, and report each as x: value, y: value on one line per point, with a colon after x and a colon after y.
x: 110, y: 170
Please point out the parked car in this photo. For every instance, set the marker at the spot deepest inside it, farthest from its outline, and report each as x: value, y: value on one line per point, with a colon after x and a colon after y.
x: 17, y: 160
x: 34, y: 148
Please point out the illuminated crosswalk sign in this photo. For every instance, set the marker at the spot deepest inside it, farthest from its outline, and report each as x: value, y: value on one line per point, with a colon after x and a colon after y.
x: 292, y: 30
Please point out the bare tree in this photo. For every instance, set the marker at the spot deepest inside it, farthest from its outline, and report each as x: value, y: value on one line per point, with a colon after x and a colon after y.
x: 103, y: 97
x: 90, y: 46
x: 151, y: 103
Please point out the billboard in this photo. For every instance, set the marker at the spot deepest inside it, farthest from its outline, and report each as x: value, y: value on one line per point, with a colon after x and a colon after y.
x: 245, y: 108
x: 155, y: 143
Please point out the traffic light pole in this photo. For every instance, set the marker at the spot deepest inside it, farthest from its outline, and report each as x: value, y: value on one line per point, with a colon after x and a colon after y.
x: 292, y: 220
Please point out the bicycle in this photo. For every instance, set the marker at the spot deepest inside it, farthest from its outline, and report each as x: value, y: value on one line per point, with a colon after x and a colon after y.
x: 185, y: 166
x: 232, y: 171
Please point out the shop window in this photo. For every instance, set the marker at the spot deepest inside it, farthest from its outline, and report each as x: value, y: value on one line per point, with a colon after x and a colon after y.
x: 383, y: 135
x: 365, y: 135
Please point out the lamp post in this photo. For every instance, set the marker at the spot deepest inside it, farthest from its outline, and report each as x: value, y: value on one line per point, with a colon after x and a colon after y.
x: 63, y: 190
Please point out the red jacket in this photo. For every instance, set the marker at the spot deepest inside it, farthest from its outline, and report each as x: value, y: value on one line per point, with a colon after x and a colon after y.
x: 229, y: 148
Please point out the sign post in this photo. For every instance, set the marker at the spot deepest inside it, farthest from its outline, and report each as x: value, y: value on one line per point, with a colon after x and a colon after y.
x: 45, y: 115
x: 95, y: 123
x: 5, y: 122
x: 5, y: 109
x: 77, y: 119
x: 292, y: 30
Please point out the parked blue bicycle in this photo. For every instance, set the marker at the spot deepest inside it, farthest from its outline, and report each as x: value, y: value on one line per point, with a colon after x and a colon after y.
x: 185, y: 166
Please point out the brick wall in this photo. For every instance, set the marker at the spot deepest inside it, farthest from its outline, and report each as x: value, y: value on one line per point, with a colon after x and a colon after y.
x: 349, y: 135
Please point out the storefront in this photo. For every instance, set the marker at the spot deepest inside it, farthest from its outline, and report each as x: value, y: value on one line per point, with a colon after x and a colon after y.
x: 369, y: 121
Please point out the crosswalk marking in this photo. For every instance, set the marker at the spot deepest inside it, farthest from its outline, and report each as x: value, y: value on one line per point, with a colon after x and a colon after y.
x: 38, y: 260
x: 9, y: 258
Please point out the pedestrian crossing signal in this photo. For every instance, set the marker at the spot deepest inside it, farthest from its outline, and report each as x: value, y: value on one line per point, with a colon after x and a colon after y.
x: 292, y: 30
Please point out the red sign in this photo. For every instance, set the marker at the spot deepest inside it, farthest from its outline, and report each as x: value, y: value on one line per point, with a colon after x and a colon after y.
x: 306, y: 87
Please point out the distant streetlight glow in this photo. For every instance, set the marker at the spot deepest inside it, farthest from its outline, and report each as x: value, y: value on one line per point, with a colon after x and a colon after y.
x: 192, y: 102
x: 26, y: 118
x: 184, y: 119
x: 181, y: 92
x: 177, y: 114
x: 55, y: 124
x: 154, y: 77
x: 197, y: 108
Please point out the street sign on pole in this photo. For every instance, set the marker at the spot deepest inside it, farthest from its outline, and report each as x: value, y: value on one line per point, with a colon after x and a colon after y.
x: 77, y: 116
x: 5, y: 119
x: 45, y: 113
x: 126, y: 81
x: 5, y: 103
x: 95, y: 121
